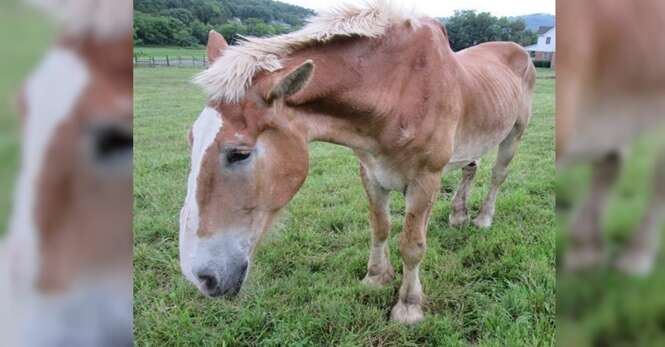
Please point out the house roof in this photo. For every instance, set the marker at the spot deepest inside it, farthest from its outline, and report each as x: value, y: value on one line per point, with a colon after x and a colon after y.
x: 543, y: 29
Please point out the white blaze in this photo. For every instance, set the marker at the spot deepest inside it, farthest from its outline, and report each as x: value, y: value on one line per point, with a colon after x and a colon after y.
x: 51, y: 94
x: 204, y: 131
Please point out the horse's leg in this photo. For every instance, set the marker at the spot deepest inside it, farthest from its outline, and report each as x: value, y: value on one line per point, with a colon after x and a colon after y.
x: 640, y: 254
x: 505, y: 155
x: 459, y: 215
x: 585, y: 245
x: 379, y: 269
x: 420, y: 196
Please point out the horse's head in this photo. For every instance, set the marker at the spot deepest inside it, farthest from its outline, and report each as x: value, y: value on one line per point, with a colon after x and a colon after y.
x: 248, y: 161
x: 70, y: 237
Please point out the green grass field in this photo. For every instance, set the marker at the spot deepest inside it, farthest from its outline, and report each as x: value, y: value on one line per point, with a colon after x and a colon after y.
x: 488, y: 288
x: 160, y: 52
x: 601, y: 307
x: 28, y: 34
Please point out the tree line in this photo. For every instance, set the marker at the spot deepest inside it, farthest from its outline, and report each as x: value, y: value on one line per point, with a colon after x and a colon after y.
x: 468, y: 28
x: 186, y: 23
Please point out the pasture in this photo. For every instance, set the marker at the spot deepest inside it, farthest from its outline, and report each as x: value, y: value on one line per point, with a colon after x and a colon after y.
x: 601, y: 307
x: 27, y: 33
x: 488, y: 288
x: 161, y: 52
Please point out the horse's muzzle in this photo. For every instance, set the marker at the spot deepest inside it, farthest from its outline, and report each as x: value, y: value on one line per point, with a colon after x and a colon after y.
x: 215, y: 283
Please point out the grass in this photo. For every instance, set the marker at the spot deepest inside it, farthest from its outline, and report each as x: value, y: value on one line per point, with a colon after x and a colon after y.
x: 27, y: 34
x: 160, y: 52
x: 486, y: 288
x: 602, y: 307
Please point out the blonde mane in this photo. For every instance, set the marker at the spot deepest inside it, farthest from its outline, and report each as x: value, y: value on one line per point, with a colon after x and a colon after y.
x: 228, y: 78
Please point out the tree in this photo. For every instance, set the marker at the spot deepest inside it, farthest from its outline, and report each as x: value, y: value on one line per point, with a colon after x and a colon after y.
x: 181, y: 14
x: 200, y: 32
x: 257, y: 27
x: 187, y: 22
x: 209, y: 12
x: 468, y: 28
x: 161, y: 30
x: 230, y: 30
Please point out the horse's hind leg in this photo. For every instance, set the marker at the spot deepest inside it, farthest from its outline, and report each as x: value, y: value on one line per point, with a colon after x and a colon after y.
x: 379, y: 269
x: 506, y: 152
x: 585, y: 244
x: 640, y: 254
x: 459, y: 215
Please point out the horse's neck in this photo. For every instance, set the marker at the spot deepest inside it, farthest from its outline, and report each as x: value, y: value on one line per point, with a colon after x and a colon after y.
x: 348, y: 132
x: 361, y: 100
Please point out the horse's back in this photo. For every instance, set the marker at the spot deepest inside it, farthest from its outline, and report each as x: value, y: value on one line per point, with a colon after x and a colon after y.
x: 497, y: 81
x: 507, y: 54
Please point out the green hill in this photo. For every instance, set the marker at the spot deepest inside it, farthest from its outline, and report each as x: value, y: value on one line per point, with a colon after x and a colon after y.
x: 187, y: 22
x: 536, y: 20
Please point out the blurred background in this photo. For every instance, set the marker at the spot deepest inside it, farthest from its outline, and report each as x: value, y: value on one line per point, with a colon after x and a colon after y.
x: 611, y: 173
x: 65, y: 173
x: 24, y: 37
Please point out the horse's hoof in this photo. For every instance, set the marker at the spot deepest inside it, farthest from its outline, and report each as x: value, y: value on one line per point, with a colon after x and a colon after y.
x: 458, y: 219
x: 406, y: 313
x: 635, y: 262
x: 483, y: 221
x: 583, y: 258
x: 379, y: 280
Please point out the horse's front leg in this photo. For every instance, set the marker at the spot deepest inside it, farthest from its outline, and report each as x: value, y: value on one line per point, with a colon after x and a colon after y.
x: 379, y: 269
x: 420, y: 197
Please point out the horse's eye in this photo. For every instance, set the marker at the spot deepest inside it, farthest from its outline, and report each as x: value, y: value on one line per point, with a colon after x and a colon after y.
x: 110, y: 148
x: 110, y: 142
x: 236, y: 155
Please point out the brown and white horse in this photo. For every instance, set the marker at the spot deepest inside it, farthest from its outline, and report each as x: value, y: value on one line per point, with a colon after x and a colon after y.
x: 67, y: 259
x: 610, y: 91
x: 373, y: 79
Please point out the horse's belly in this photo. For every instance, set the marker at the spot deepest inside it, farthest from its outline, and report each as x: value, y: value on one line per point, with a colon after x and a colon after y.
x: 470, y: 148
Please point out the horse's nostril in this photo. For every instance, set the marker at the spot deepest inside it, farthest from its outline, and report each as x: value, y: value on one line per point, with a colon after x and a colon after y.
x: 208, y: 280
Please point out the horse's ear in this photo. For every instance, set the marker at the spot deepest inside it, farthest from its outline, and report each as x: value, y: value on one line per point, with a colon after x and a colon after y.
x: 293, y: 82
x: 216, y: 44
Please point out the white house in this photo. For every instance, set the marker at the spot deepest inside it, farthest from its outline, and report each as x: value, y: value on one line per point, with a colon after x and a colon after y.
x: 545, y: 48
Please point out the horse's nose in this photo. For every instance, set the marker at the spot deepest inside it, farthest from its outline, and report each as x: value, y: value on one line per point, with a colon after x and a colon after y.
x: 209, y: 282
x: 225, y: 282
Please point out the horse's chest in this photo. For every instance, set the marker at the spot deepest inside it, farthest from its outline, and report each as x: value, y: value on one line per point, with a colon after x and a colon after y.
x: 383, y: 173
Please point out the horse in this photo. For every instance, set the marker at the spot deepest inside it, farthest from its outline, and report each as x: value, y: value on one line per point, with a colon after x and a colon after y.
x: 66, y: 266
x: 610, y: 91
x: 376, y: 79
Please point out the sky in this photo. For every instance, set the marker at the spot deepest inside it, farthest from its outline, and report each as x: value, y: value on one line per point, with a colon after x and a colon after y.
x: 445, y: 8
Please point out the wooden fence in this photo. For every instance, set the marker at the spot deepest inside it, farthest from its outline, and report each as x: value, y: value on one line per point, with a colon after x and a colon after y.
x: 170, y: 61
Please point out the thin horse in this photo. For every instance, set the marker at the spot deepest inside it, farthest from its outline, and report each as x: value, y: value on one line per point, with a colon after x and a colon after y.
x: 385, y: 84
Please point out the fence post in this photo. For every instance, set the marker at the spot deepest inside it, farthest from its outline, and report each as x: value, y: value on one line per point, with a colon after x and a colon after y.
x: 152, y: 61
x: 168, y: 63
